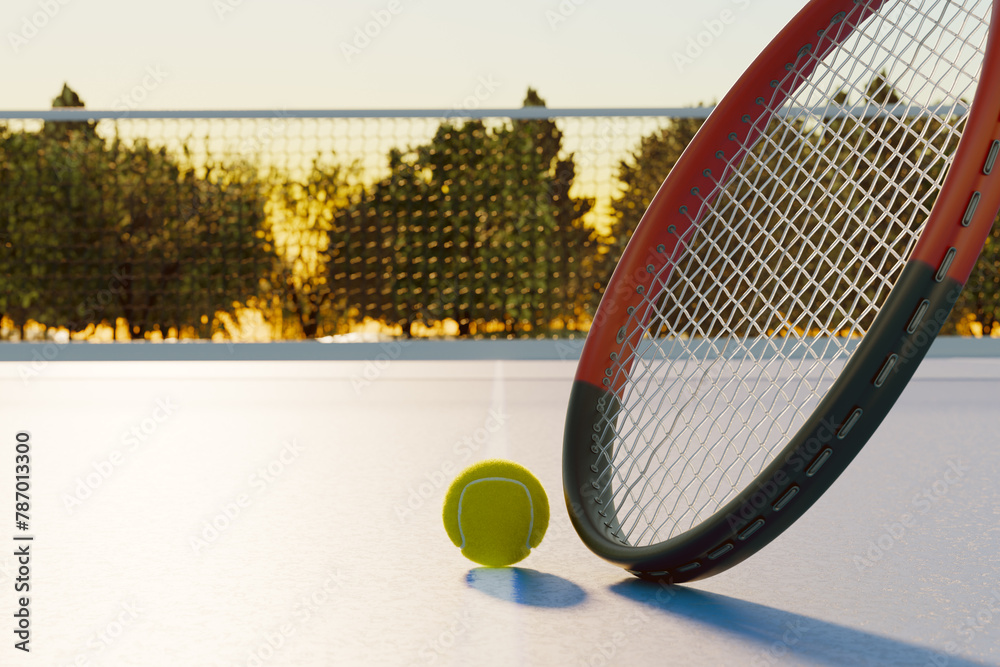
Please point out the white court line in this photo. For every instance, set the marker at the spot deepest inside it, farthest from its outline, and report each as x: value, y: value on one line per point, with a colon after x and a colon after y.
x: 499, y: 446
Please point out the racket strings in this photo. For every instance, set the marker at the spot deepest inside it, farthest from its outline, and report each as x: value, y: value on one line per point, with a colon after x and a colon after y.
x: 787, y: 263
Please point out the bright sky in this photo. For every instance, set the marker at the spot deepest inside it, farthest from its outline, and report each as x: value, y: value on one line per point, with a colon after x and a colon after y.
x: 242, y: 54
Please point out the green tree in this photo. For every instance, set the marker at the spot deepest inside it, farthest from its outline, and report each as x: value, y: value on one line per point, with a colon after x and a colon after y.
x: 189, y: 243
x: 558, y: 254
x: 63, y: 130
x: 474, y: 226
x: 53, y: 213
x: 388, y: 249
x: 642, y: 174
x: 303, y: 217
x: 579, y: 257
x: 978, y: 309
x: 97, y: 230
x: 803, y: 247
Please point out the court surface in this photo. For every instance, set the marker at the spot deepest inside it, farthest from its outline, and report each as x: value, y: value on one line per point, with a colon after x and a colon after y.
x: 288, y: 513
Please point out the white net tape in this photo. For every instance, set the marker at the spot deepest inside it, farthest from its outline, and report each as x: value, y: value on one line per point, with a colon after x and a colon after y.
x: 788, y: 262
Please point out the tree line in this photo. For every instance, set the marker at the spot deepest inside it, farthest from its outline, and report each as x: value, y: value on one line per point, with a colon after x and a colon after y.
x: 477, y: 225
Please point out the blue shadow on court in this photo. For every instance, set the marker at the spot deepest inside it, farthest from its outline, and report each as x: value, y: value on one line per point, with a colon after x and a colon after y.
x: 780, y: 636
x: 527, y: 587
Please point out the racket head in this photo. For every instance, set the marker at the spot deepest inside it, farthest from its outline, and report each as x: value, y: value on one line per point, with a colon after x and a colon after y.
x: 641, y: 491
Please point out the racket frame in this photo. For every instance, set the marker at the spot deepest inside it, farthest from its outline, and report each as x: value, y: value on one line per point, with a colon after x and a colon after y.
x: 876, y: 373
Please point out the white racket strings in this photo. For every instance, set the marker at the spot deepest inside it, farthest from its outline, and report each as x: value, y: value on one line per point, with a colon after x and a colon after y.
x: 787, y: 262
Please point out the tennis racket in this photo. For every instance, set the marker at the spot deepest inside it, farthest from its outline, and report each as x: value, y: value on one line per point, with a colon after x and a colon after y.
x: 785, y: 282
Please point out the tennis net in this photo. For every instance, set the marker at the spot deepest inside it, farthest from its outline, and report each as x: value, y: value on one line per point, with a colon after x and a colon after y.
x: 278, y: 224
x: 286, y: 225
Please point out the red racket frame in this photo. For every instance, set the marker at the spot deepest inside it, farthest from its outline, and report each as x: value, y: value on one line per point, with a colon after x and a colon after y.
x: 918, y: 305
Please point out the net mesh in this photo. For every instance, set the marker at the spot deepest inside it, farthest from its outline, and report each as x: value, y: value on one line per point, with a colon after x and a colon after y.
x: 788, y: 261
x: 289, y: 227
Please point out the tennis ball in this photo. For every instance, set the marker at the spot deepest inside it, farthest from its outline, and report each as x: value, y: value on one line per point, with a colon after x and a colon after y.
x: 496, y: 512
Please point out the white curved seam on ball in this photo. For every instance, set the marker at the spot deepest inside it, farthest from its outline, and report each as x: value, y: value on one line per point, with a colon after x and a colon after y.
x: 531, y: 506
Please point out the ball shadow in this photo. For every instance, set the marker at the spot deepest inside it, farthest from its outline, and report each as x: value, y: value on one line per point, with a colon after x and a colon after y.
x: 526, y: 587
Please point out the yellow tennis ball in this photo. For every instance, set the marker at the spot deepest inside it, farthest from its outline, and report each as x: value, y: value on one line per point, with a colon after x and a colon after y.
x: 496, y: 512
